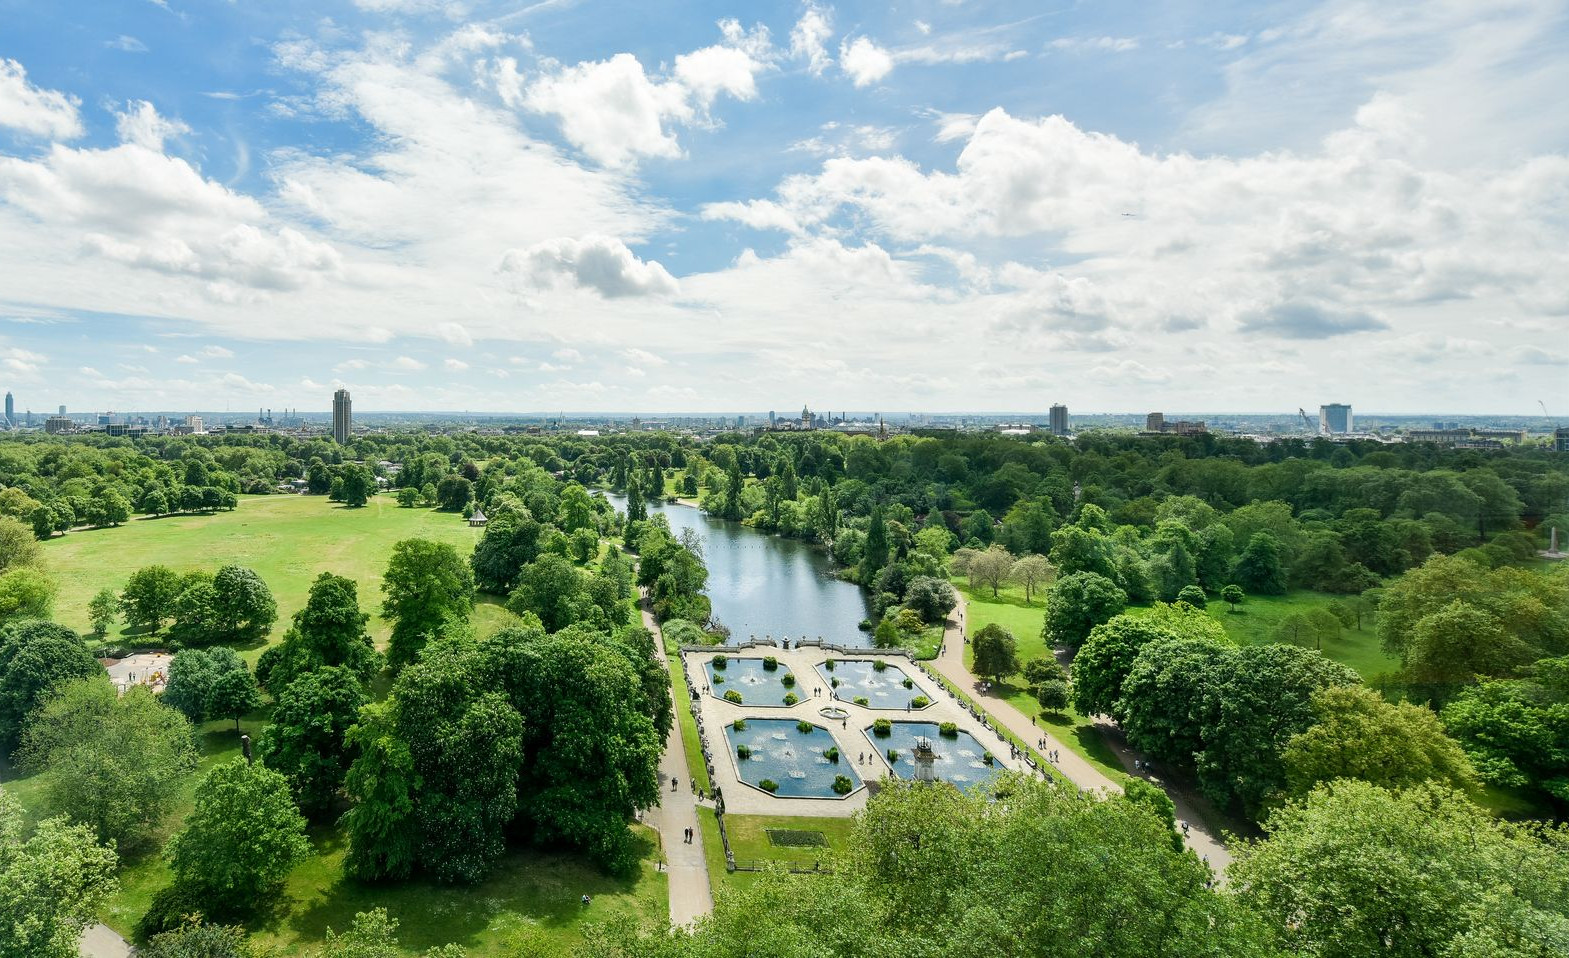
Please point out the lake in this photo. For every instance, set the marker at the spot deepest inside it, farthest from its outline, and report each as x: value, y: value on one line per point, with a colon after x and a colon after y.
x: 762, y: 584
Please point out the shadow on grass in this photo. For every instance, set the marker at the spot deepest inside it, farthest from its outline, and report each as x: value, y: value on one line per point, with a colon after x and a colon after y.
x: 538, y: 888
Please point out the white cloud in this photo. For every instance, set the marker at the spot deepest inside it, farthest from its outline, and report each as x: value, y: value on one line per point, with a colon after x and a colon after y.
x: 140, y: 124
x: 454, y: 333
x: 187, y: 359
x: 809, y: 38
x: 216, y: 352
x: 567, y: 355
x: 33, y: 110
x: 602, y: 264
x: 1095, y: 44
x: 864, y: 61
x: 454, y: 365
x: 406, y: 363
x: 643, y: 357
x: 128, y: 44
x: 350, y: 364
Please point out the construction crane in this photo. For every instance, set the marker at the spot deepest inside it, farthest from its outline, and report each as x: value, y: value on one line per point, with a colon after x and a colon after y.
x: 1306, y: 421
x: 1546, y: 414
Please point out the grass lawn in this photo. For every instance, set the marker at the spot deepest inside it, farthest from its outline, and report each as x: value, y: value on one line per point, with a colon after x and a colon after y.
x: 1256, y: 619
x: 690, y: 742
x: 749, y: 842
x: 288, y: 540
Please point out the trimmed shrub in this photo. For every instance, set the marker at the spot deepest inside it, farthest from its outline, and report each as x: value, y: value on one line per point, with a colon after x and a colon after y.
x: 834, y: 682
x: 720, y: 661
x: 909, y: 683
x: 879, y: 665
x: 862, y: 701
x: 988, y: 758
x: 719, y: 680
x: 788, y: 680
x: 882, y: 727
x: 920, y: 702
x: 832, y: 754
x: 731, y: 695
x: 948, y: 730
x: 829, y: 665
x: 804, y: 727
x: 739, y: 725
x: 842, y: 785
x: 770, y: 663
x: 743, y: 751
x: 790, y: 698
x: 893, y: 756
x: 768, y: 785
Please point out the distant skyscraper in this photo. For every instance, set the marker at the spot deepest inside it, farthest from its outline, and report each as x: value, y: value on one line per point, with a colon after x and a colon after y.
x: 1335, y: 418
x: 342, y: 416
x: 10, y: 409
x: 1059, y: 420
x: 62, y: 409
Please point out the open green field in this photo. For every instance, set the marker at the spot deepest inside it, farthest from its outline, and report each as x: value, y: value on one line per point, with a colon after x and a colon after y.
x: 288, y: 540
x: 749, y: 842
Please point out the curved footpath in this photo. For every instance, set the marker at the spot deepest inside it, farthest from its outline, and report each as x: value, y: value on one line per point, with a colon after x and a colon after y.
x: 686, y: 867
x: 1072, y: 766
x: 101, y: 941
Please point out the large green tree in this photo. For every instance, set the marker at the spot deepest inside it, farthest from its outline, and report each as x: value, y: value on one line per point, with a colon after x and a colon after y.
x: 329, y: 630
x: 116, y: 762
x: 1516, y: 731
x: 305, y: 739
x: 34, y: 657
x: 1356, y: 734
x: 242, y: 837
x: 1077, y: 603
x: 1355, y: 871
x: 426, y: 586
x: 996, y: 652
x: 149, y: 596
x: 243, y: 607
x: 52, y: 884
x: 194, y: 674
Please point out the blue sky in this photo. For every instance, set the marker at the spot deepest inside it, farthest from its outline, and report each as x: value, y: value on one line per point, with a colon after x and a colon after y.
x: 943, y: 204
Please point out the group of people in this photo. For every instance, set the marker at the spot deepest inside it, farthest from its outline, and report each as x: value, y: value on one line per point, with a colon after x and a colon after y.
x: 1051, y: 755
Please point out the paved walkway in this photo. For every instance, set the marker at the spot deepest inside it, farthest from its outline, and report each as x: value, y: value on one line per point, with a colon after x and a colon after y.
x: 691, y: 897
x: 1078, y: 771
x: 101, y: 941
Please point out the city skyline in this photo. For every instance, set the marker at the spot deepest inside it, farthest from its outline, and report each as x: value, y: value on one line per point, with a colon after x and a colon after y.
x: 947, y: 206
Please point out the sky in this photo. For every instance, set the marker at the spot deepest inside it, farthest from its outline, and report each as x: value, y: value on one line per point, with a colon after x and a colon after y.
x: 935, y: 205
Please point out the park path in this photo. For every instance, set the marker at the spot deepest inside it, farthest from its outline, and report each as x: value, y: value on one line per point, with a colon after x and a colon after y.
x: 101, y: 941
x: 686, y: 867
x: 1072, y: 766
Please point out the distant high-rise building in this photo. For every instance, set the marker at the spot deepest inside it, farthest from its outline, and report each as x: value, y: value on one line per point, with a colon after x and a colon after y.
x: 1335, y: 418
x: 342, y: 416
x: 62, y: 409
x: 1561, y: 439
x: 1059, y: 420
x: 10, y: 409
x: 1155, y: 422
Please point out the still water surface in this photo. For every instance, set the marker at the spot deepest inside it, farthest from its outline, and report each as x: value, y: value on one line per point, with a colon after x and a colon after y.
x: 764, y: 585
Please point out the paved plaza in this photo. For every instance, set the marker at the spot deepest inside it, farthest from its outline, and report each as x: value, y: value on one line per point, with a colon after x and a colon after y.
x: 815, y: 692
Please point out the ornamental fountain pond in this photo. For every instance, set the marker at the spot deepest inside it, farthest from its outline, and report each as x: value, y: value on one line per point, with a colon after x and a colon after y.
x: 960, y: 759
x: 754, y: 681
x: 789, y: 758
x: 872, y: 684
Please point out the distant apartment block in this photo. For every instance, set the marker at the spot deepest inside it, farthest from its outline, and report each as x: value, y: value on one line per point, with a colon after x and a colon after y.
x: 1157, y: 423
x: 342, y: 417
x: 1059, y: 420
x: 1561, y: 439
x: 1335, y: 418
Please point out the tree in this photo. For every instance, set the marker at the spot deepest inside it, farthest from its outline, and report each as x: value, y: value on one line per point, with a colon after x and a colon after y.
x: 426, y: 585
x: 113, y: 508
x: 243, y: 608
x: 1356, y: 734
x: 1053, y: 696
x: 1102, y: 663
x: 1079, y: 602
x: 1353, y: 870
x: 453, y: 493
x: 194, y: 674
x: 116, y: 762
x: 1192, y: 595
x: 18, y: 544
x: 241, y: 839
x: 1030, y: 572
x: 996, y: 652
x: 232, y: 695
x: 886, y: 635
x: 550, y: 587
x: 305, y: 739
x: 1166, y: 706
x: 34, y: 657
x: 149, y: 596
x: 510, y: 542
x: 1516, y: 731
x: 357, y: 485
x: 25, y: 593
x: 991, y: 568
x: 1232, y: 595
x: 194, y: 939
x: 931, y: 598
x: 102, y: 610
x: 329, y: 630
x: 1459, y: 642
x: 875, y: 552
x: 52, y: 884
x: 585, y: 544
x: 408, y: 497
x: 1259, y: 568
